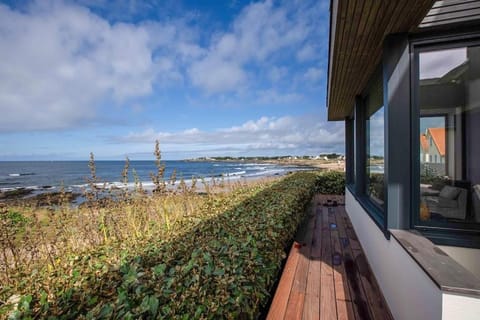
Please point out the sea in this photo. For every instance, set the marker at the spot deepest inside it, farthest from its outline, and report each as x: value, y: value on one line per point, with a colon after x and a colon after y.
x: 50, y: 176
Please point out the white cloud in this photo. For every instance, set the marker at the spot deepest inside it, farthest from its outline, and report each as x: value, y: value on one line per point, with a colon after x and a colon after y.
x: 376, y: 131
x: 59, y: 62
x: 313, y: 74
x: 306, y: 53
x: 263, y: 134
x: 260, y: 33
x: 215, y: 76
x: 436, y: 64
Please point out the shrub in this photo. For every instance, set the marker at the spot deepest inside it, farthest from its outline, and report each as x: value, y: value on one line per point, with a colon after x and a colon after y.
x: 330, y: 182
x: 221, y: 264
x: 376, y: 185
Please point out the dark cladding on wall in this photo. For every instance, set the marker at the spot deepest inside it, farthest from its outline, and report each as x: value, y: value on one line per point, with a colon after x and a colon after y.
x: 473, y: 145
x: 396, y: 66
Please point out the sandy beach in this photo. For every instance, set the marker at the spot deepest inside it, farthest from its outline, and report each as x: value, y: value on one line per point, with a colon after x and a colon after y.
x: 335, y: 165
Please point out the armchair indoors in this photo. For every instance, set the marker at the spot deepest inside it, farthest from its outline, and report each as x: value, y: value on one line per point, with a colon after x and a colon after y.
x: 451, y: 202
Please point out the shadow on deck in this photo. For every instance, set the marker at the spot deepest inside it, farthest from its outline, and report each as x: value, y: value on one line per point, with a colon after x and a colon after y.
x: 327, y: 275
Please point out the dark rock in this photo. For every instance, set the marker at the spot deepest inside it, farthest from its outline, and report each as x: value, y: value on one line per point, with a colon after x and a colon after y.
x: 15, y: 194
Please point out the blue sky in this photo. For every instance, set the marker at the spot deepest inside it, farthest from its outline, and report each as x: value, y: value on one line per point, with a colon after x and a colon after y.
x: 206, y: 78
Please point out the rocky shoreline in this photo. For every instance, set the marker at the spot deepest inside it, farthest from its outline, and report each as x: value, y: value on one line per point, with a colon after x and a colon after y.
x: 25, y: 196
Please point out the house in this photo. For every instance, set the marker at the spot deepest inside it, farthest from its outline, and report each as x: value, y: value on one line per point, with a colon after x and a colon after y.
x: 433, y: 146
x: 432, y: 151
x: 400, y: 70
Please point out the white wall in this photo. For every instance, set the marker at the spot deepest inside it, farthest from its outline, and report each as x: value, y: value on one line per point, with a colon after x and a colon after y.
x: 409, y: 292
x: 469, y: 258
x: 460, y: 307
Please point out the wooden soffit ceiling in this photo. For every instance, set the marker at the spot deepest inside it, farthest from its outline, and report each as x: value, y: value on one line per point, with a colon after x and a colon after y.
x: 357, y: 31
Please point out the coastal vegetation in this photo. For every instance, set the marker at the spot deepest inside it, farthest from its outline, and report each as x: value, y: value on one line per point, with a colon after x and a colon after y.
x: 178, y: 253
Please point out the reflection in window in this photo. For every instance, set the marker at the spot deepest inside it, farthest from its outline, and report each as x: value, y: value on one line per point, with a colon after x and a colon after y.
x: 449, y: 103
x: 350, y: 150
x: 375, y: 187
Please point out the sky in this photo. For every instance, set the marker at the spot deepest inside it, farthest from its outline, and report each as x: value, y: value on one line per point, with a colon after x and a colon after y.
x: 205, y: 78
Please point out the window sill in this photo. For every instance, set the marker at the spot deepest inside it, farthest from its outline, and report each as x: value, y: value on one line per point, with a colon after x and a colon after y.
x: 445, y: 272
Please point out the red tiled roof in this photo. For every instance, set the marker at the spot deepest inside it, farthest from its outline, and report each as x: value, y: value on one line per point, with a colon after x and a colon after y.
x: 438, y: 136
x: 424, y: 142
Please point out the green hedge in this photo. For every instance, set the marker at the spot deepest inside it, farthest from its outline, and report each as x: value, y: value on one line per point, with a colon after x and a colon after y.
x: 330, y: 182
x: 223, y: 267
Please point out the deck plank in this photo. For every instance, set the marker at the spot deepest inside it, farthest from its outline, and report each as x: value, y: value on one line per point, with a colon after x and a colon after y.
x: 312, y: 281
x: 295, y: 306
x: 328, y: 308
x: 312, y: 312
x: 299, y: 287
x: 282, y: 295
x: 312, y: 297
x: 327, y: 276
x: 342, y: 289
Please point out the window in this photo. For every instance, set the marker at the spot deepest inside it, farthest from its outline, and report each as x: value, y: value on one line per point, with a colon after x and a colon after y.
x: 369, y: 131
x: 375, y: 141
x: 447, y: 88
x: 350, y: 151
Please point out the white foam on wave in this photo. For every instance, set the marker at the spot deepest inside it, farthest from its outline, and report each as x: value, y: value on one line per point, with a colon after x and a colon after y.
x: 259, y: 168
x: 21, y: 174
x: 40, y: 187
x: 7, y: 189
x: 238, y: 173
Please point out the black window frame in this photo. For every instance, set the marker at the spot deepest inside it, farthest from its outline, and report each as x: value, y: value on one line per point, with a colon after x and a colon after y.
x: 358, y: 188
x: 350, y: 152
x: 442, y: 233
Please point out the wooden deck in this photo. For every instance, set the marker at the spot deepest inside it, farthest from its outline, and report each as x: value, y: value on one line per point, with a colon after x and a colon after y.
x: 326, y: 275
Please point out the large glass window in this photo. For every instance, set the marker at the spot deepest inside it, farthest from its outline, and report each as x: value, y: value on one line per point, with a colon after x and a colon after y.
x: 375, y: 141
x: 448, y: 98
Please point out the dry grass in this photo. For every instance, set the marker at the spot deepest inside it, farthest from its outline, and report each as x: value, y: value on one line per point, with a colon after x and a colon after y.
x: 32, y: 238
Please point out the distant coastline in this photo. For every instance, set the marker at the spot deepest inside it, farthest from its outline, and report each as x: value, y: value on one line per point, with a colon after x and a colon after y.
x: 334, y: 162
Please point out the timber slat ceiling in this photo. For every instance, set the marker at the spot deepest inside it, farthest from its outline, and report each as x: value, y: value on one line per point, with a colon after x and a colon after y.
x: 361, y: 26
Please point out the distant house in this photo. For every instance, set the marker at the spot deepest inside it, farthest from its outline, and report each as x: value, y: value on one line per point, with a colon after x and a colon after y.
x: 432, y: 146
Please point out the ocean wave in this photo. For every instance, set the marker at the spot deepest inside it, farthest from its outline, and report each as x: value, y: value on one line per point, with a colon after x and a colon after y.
x: 32, y: 188
x: 21, y: 174
x: 40, y: 187
x: 238, y: 173
x: 259, y: 168
x: 7, y: 189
